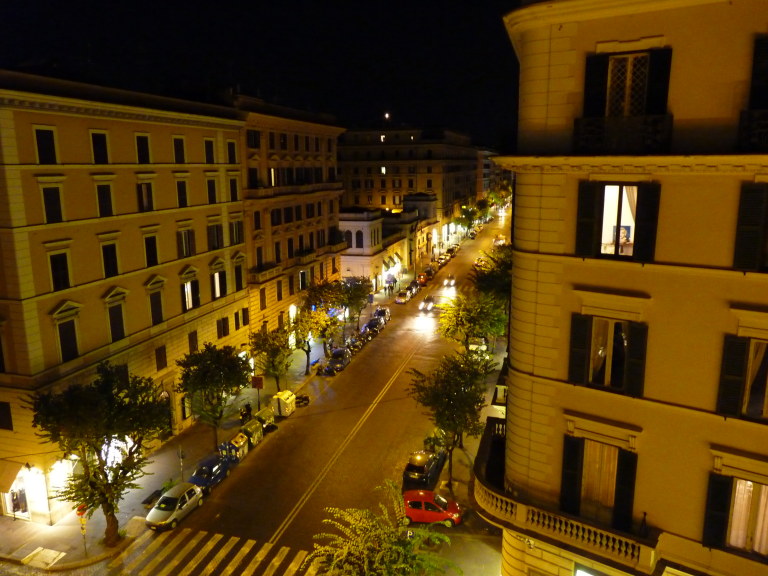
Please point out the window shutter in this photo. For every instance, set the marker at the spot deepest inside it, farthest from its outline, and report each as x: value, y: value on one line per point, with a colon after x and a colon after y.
x: 758, y: 96
x: 589, y: 218
x: 646, y: 221
x: 179, y: 243
x: 595, y: 85
x: 578, y: 358
x: 750, y: 226
x: 570, y: 485
x: 635, y: 366
x: 183, y: 299
x: 195, y: 293
x: 733, y: 371
x: 658, y: 81
x: 624, y: 498
x: 718, y: 510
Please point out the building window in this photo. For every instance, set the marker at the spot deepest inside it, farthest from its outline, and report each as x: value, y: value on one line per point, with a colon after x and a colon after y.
x: 156, y: 307
x: 6, y: 422
x: 99, y: 148
x: 262, y: 299
x: 276, y: 217
x: 359, y: 239
x: 257, y: 220
x: 278, y: 254
x: 743, y: 378
x: 303, y: 284
x: 46, y: 146
x: 253, y: 178
x: 598, y: 482
x: 116, y: 322
x: 236, y: 235
x: 218, y: 284
x: 144, y: 196
x: 215, y: 236
x: 234, y: 193
x: 109, y: 259
x: 208, y: 147
x: 237, y: 320
x: 239, y: 277
x: 142, y: 149
x: 279, y: 290
x: 222, y: 327
x: 751, y: 247
x: 617, y: 220
x: 211, y: 187
x: 291, y: 286
x: 181, y: 193
x: 192, y: 341
x: 186, y: 406
x: 59, y: 270
x: 150, y: 251
x: 161, y: 358
x: 253, y: 139
x: 231, y: 152
x: 2, y: 355
x: 104, y: 198
x: 179, y: 157
x: 289, y: 246
x: 736, y: 514
x: 52, y: 204
x: 190, y: 294
x: 283, y: 141
x: 185, y: 243
x: 67, y: 339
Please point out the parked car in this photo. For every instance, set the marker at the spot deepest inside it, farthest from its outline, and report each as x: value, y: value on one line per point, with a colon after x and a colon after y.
x: 174, y: 505
x: 443, y: 260
x: 423, y: 278
x: 402, y: 297
x: 413, y: 288
x: 210, y: 471
x: 427, y: 304
x: 382, y: 312
x: 340, y: 358
x: 449, y: 280
x: 423, y: 469
x: 478, y: 345
x: 428, y: 507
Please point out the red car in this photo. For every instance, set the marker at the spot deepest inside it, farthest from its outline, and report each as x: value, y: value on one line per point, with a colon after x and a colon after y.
x: 428, y: 507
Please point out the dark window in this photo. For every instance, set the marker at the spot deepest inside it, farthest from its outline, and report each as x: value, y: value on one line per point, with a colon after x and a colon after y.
x: 6, y: 422
x: 245, y: 316
x: 99, y: 148
x: 758, y: 95
x: 209, y: 152
x: 52, y: 204
x: 310, y: 210
x: 109, y: 260
x: 178, y: 151
x: 67, y: 340
x: 222, y: 327
x: 359, y: 239
x: 2, y: 356
x: 232, y: 152
x: 303, y: 284
x: 116, y: 324
x: 290, y: 248
x: 238, y: 277
x: 279, y: 290
x: 253, y: 138
x: 142, y: 149
x: 234, y: 194
x: 237, y: 320
x: 253, y: 178
x: 297, y: 213
x: 59, y: 271
x: 256, y: 220
x: 185, y: 243
x: 236, y: 232
x: 283, y: 141
x: 181, y: 193
x: 156, y: 307
x: 743, y: 391
x: 192, y: 341
x: 287, y: 214
x: 215, y: 236
x: 46, y: 146
x: 104, y: 196
x: 278, y: 255
x: 211, y: 186
x: 751, y: 246
x: 161, y: 359
x: 262, y: 299
x: 144, y: 196
x: 617, y: 220
x: 291, y: 286
x: 276, y: 217
x: 150, y: 251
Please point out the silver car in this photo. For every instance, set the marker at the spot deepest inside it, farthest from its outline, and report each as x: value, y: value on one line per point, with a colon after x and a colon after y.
x: 174, y: 505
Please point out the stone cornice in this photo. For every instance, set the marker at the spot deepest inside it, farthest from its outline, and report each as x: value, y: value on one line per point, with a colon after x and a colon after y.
x: 703, y: 164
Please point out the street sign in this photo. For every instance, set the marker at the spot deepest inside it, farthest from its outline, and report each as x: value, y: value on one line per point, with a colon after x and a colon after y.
x: 257, y: 382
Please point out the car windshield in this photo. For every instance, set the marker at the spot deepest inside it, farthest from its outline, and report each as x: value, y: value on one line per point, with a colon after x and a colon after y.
x: 167, y: 504
x: 203, y: 472
x: 338, y: 353
x: 402, y: 294
x: 442, y: 502
x: 418, y: 468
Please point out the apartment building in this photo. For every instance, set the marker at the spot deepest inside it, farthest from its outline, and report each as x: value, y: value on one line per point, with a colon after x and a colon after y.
x: 635, y: 440
x: 379, y: 168
x: 131, y: 231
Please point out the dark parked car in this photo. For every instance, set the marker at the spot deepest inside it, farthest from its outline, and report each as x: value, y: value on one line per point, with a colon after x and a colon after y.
x: 211, y: 471
x: 382, y: 312
x: 423, y: 469
x: 413, y: 288
x: 340, y: 358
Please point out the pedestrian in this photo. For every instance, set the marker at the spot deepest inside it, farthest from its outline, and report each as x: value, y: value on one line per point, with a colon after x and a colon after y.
x: 248, y: 411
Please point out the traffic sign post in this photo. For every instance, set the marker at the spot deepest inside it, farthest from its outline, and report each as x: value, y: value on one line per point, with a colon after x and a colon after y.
x: 81, y: 510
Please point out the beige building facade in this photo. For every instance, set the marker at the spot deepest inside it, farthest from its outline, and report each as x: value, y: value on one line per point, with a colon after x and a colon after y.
x: 635, y: 436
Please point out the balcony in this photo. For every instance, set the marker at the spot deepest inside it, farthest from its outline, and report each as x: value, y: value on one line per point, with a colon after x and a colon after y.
x: 753, y: 131
x: 256, y: 276
x: 631, y: 135
x: 499, y: 508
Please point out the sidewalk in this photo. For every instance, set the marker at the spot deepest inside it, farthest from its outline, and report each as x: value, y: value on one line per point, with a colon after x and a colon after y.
x: 63, y: 547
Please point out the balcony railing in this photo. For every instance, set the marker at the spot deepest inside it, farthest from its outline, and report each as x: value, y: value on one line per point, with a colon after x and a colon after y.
x: 264, y: 275
x: 753, y: 131
x: 623, y: 135
x: 503, y: 510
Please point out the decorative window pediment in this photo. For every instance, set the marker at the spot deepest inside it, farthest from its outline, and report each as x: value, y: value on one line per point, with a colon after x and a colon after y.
x: 115, y: 295
x: 66, y: 310
x: 188, y: 273
x: 217, y: 265
x: 619, y: 434
x: 238, y: 257
x: 156, y: 282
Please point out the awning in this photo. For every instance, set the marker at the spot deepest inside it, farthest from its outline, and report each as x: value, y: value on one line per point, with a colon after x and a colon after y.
x: 389, y: 262
x: 398, y: 257
x: 8, y: 472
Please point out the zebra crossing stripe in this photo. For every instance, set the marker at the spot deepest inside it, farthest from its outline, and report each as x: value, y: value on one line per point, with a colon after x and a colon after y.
x: 118, y: 560
x: 313, y: 568
x: 167, y: 551
x: 294, y: 566
x: 276, y: 561
x: 249, y: 569
x: 179, y: 555
x: 238, y: 557
x: 192, y: 564
x: 221, y: 554
x: 155, y: 544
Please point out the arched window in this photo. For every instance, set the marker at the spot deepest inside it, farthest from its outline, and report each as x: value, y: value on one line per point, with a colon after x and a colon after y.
x: 359, y: 239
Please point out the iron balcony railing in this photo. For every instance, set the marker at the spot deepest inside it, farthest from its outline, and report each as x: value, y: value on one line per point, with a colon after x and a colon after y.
x: 623, y: 135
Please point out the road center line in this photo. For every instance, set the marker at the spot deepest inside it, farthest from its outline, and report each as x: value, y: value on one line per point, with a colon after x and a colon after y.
x: 337, y: 454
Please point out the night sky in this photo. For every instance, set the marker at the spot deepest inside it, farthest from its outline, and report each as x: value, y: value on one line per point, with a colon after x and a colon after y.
x: 442, y: 63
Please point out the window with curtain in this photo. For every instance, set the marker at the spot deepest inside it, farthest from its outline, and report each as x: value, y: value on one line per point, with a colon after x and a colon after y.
x: 748, y: 529
x: 743, y: 378
x: 619, y: 220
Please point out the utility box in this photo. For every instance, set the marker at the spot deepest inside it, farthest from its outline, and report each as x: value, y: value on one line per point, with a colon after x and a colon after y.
x: 284, y: 403
x: 254, y: 430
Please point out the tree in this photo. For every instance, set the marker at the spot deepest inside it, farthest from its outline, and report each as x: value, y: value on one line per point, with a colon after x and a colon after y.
x: 466, y: 218
x: 454, y: 393
x: 210, y: 377
x: 472, y: 316
x: 307, y: 322
x: 105, y: 424
x: 371, y: 543
x: 272, y: 354
x: 494, y: 276
x: 328, y: 298
x: 356, y: 290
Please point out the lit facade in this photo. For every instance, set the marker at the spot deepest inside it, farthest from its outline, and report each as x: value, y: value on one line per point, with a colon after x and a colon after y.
x: 635, y: 435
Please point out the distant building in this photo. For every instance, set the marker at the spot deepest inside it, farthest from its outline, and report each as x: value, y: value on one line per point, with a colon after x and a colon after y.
x: 135, y: 228
x: 636, y: 438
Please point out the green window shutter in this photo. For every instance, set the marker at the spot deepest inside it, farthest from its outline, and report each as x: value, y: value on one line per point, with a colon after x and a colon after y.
x: 624, y: 498
x: 733, y: 372
x: 595, y: 85
x: 578, y: 357
x: 718, y: 511
x: 646, y: 221
x: 570, y: 485
x: 589, y: 215
x: 658, y: 81
x: 750, y: 227
x: 635, y: 366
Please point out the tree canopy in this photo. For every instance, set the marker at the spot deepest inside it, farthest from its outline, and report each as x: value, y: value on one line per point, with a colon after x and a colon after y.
x: 355, y: 291
x: 494, y: 276
x: 272, y: 353
x: 210, y: 377
x: 106, y: 425
x: 310, y: 322
x: 472, y: 316
x: 367, y: 542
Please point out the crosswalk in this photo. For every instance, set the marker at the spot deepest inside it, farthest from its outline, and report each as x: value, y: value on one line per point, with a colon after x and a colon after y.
x: 191, y: 553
